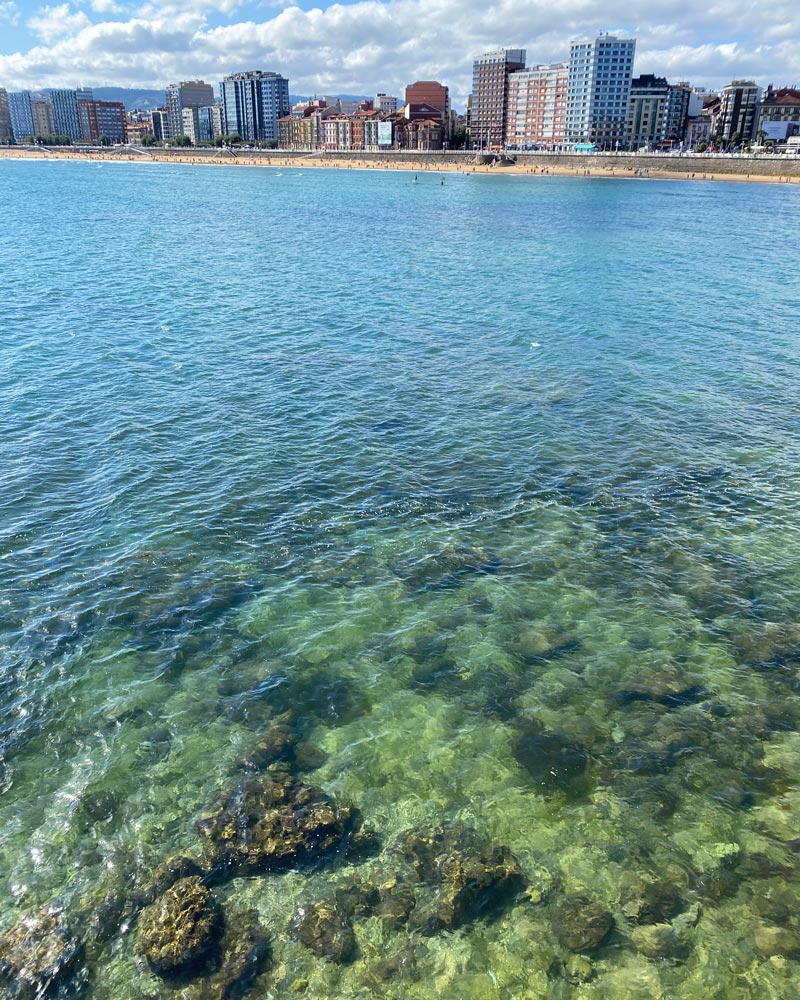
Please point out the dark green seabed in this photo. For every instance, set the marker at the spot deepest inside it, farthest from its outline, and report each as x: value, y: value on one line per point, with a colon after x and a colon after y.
x: 400, y: 599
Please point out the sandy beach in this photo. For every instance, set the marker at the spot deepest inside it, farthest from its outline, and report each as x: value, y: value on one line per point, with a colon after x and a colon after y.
x: 653, y: 168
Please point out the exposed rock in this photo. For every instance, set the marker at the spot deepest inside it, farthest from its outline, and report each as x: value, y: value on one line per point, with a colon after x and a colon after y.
x: 37, y: 954
x: 470, y: 878
x: 274, y: 821
x: 581, y: 925
x: 326, y: 929
x: 553, y: 760
x: 657, y: 941
x: 179, y: 934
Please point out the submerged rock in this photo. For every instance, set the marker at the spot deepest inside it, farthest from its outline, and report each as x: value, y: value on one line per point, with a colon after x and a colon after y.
x: 385, y: 895
x: 445, y: 569
x: 658, y: 941
x: 96, y: 807
x: 553, y: 760
x: 179, y: 934
x: 277, y: 744
x: 544, y: 642
x: 664, y: 687
x: 470, y: 878
x: 168, y: 873
x: 648, y: 902
x: 580, y: 924
x: 275, y: 821
x: 37, y: 954
x: 326, y: 929
x: 245, y: 954
x: 770, y: 940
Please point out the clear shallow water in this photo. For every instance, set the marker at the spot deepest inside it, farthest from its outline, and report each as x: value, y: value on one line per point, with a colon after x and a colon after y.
x: 455, y: 463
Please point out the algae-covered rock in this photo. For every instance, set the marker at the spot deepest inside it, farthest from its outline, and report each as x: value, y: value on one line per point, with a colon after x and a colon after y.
x: 326, y: 929
x: 179, y: 934
x: 580, y: 924
x: 245, y: 953
x: 553, y: 761
x: 470, y: 877
x: 271, y: 822
x: 37, y: 954
x: 385, y: 895
x: 168, y: 873
x: 278, y: 743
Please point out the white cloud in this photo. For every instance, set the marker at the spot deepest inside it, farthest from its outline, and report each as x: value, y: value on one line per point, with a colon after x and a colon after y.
x: 105, y: 7
x: 9, y: 12
x: 383, y: 45
x: 53, y: 23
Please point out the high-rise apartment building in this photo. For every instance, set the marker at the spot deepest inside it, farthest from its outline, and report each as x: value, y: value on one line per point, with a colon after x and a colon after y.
x: 65, y: 113
x: 490, y: 95
x: 676, y: 114
x: 738, y: 110
x: 21, y: 114
x: 187, y: 94
x: 6, y: 132
x: 42, y: 112
x: 598, y: 98
x: 103, y: 120
x: 647, y: 110
x: 253, y: 102
x: 431, y: 93
x: 160, y: 121
x: 536, y: 107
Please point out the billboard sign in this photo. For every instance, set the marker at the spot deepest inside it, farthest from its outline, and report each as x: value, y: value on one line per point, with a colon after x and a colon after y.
x: 384, y: 133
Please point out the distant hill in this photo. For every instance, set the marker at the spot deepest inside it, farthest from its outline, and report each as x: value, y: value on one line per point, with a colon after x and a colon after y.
x: 145, y: 99
x: 130, y: 97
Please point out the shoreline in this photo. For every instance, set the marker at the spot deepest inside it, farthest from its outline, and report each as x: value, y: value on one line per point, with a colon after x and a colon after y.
x: 654, y: 168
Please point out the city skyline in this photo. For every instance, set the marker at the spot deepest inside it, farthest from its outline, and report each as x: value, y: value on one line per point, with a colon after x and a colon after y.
x: 368, y: 46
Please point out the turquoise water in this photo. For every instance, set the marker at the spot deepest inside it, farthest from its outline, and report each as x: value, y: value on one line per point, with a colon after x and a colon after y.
x: 442, y: 473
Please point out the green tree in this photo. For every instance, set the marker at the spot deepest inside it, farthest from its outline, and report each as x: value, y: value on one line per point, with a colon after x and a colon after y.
x: 181, y: 140
x: 702, y: 147
x: 148, y: 139
x: 103, y: 140
x: 459, y: 138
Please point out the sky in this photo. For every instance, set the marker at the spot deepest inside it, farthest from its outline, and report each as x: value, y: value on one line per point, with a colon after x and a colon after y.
x: 370, y: 46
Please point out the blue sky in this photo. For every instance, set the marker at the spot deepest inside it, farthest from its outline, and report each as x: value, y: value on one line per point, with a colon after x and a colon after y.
x: 379, y: 45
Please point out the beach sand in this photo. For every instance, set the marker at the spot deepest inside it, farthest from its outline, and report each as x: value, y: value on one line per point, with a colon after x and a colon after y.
x: 662, y: 168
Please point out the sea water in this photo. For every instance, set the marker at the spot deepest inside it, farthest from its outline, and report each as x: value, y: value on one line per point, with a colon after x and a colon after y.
x: 453, y: 464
